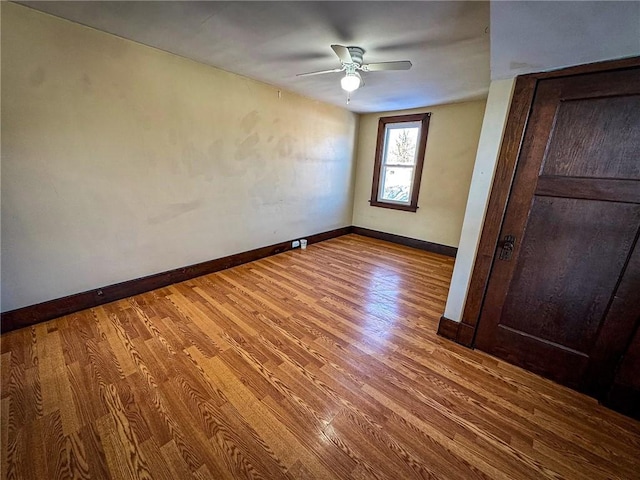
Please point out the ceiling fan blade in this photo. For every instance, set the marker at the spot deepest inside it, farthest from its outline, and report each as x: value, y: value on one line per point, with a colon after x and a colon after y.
x: 319, y: 72
x: 376, y: 67
x: 343, y: 53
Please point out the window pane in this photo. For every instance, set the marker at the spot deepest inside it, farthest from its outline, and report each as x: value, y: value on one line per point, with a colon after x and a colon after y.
x: 401, y: 144
x: 396, y: 184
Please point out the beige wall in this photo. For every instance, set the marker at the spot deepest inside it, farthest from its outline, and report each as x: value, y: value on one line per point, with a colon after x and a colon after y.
x: 495, y: 119
x: 451, y: 149
x: 120, y: 161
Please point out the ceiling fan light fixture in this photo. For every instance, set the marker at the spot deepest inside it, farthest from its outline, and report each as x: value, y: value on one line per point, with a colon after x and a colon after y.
x: 351, y: 63
x: 350, y: 82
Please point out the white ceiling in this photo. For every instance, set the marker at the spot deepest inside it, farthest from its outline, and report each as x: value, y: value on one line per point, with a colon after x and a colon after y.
x: 537, y: 36
x: 447, y: 42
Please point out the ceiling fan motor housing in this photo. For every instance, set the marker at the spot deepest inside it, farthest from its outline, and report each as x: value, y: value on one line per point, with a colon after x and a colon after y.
x: 351, y: 63
x: 356, y: 54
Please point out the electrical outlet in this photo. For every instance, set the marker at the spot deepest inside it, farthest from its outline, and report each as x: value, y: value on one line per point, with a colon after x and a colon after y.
x: 295, y: 244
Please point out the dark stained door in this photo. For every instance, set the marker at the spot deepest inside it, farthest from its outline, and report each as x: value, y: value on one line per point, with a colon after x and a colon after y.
x: 564, y: 301
x: 624, y: 395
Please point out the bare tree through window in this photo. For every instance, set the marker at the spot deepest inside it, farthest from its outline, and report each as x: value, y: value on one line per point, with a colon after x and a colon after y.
x: 404, y: 148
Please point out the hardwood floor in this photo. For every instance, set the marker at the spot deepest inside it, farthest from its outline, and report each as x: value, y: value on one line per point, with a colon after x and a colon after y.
x: 321, y: 363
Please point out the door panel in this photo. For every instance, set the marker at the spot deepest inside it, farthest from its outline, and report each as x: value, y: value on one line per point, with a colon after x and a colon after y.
x: 545, y: 358
x: 566, y: 242
x: 574, y: 211
x: 607, y: 132
x: 624, y: 395
x: 622, y: 318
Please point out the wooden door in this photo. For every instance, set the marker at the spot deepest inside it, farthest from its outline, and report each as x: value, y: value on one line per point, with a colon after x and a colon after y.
x: 624, y: 395
x: 564, y: 298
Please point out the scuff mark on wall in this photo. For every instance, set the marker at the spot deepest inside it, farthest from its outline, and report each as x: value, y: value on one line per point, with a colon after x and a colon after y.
x: 250, y: 121
x: 173, y: 210
x: 196, y: 162
x: 246, y: 148
x: 285, y: 146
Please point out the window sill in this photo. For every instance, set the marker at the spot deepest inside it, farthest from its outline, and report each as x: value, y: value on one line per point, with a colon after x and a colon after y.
x: 394, y: 206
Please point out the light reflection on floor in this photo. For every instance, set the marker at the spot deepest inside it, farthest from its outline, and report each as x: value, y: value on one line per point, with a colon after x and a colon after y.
x: 382, y: 301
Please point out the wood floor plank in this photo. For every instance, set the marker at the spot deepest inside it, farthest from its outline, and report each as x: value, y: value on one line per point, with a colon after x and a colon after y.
x: 175, y: 463
x: 66, y: 455
x: 271, y: 431
x: 319, y: 363
x: 97, y: 461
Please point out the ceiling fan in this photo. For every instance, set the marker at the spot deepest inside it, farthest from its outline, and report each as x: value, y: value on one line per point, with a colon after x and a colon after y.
x: 351, y: 59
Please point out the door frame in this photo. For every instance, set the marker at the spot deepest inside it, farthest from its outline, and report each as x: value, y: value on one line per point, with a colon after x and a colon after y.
x: 464, y: 332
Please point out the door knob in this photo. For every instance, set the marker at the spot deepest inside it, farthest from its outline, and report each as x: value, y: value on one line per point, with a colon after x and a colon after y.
x: 506, y: 247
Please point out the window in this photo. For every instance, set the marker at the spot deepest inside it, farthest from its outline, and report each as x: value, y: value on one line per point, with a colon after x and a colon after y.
x: 400, y: 151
